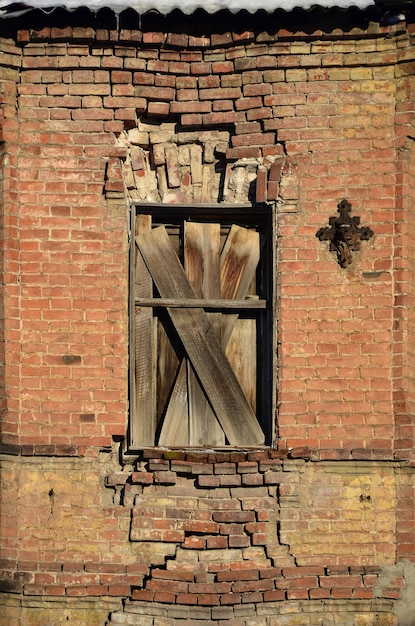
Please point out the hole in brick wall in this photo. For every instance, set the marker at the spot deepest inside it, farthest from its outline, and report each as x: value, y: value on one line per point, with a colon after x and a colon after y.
x: 166, y: 163
x: 170, y: 164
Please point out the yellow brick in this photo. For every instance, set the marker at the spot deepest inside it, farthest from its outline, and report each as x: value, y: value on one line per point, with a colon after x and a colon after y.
x: 310, y: 60
x: 383, y: 73
x: 360, y: 503
x: 300, y: 48
x: 361, y: 73
x: 292, y: 620
x: 59, y: 616
x: 356, y: 58
x: 349, y: 109
x: 366, y: 46
x: 339, y: 73
x: 321, y: 47
x: 377, y: 86
x: 344, y: 46
x: 295, y: 76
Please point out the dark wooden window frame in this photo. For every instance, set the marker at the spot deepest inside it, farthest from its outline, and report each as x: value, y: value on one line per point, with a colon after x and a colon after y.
x: 261, y: 306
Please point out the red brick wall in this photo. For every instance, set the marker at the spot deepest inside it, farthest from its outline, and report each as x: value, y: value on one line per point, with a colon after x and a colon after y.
x: 327, y: 106
x: 10, y: 322
x: 321, y: 117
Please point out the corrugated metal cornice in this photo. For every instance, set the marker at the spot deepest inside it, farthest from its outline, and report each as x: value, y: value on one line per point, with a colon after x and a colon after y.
x: 187, y: 7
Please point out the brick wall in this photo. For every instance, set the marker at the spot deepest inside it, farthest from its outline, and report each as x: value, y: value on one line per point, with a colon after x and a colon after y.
x: 199, y: 534
x: 320, y: 525
x: 403, y: 336
x: 10, y: 62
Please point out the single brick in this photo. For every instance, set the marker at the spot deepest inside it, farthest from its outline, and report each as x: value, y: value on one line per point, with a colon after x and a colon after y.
x: 142, y: 478
x: 259, y: 114
x: 192, y: 106
x: 248, y: 103
x: 208, y: 599
x: 154, y: 93
x: 223, y: 93
x: 165, y: 478
x: 216, y: 542
x: 158, y: 109
x: 208, y: 481
x: 194, y: 543
x: 243, y: 153
x: 224, y: 468
x: 233, y: 516
x: 239, y: 541
x: 232, y: 480
x: 194, y: 526
x: 253, y: 139
x: 247, y: 574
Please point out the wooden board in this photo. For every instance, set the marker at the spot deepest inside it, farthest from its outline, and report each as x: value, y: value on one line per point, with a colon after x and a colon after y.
x: 203, y: 349
x: 143, y: 424
x: 239, y: 260
x: 252, y: 302
x: 167, y: 367
x: 242, y: 354
x: 202, y: 258
x: 238, y: 263
x: 175, y: 430
x: 202, y: 266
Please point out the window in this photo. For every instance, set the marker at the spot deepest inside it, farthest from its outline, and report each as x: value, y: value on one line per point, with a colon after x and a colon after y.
x: 201, y: 349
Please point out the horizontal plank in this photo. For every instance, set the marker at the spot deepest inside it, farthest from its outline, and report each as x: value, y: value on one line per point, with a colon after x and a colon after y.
x: 196, y: 303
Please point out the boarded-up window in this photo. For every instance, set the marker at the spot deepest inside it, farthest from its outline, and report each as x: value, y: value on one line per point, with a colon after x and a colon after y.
x: 201, y: 326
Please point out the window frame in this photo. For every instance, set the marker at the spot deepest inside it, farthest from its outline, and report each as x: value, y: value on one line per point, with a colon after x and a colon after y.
x: 261, y: 217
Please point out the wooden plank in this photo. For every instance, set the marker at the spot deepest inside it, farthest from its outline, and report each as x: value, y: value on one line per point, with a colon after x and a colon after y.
x: 203, y: 349
x: 167, y: 368
x: 204, y: 428
x: 202, y: 303
x: 242, y: 354
x: 239, y: 260
x: 175, y: 430
x: 132, y: 430
x: 202, y: 266
x: 143, y: 424
x: 202, y: 258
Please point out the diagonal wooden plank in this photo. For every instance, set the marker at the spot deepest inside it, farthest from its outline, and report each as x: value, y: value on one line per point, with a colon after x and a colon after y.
x: 203, y: 349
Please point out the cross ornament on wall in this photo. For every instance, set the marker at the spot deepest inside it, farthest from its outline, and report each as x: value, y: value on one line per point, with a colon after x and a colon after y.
x: 344, y: 233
